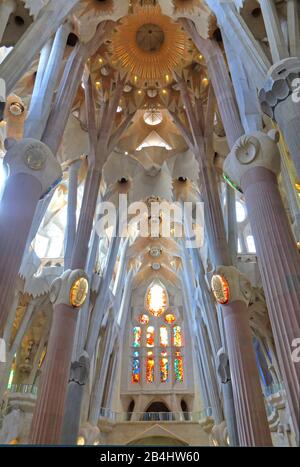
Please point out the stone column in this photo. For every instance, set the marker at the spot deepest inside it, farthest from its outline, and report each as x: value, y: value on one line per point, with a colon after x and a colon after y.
x: 21, y: 57
x: 71, y: 213
x: 280, y: 100
x: 252, y: 423
x: 49, y: 411
x: 40, y: 107
x: 229, y: 411
x: 7, y: 7
x: 32, y: 172
x: 100, y: 378
x: 275, y: 35
x: 210, y: 376
x: 78, y: 379
x: 254, y: 165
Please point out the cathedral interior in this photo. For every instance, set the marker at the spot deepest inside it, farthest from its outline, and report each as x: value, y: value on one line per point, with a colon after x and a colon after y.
x: 113, y: 329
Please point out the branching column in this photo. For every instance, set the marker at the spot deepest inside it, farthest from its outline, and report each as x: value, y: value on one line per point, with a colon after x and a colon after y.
x: 101, y: 137
x: 33, y: 171
x: 254, y: 164
x: 252, y: 425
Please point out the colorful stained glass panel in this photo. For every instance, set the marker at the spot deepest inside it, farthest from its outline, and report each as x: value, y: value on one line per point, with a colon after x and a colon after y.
x: 178, y: 367
x: 144, y: 319
x: 137, y: 334
x: 136, y: 369
x: 150, y: 366
x: 177, y: 336
x: 150, y: 336
x: 164, y: 367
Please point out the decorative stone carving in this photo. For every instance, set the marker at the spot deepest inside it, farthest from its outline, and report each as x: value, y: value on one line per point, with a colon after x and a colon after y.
x: 255, y: 150
x: 219, y: 435
x: 80, y: 370
x: 279, y: 85
x: 239, y: 286
x: 15, y: 115
x: 280, y: 100
x: 62, y: 287
x: 32, y: 157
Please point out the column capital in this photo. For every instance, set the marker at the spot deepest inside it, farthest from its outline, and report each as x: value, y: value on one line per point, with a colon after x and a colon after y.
x: 32, y: 157
x: 70, y: 289
x: 230, y: 285
x: 280, y: 85
x: 253, y: 150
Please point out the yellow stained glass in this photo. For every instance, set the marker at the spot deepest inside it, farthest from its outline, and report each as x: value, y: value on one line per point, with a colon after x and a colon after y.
x: 177, y: 336
x: 170, y: 318
x: 150, y: 365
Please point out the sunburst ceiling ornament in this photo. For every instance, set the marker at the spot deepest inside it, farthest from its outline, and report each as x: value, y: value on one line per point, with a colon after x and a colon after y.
x: 149, y: 45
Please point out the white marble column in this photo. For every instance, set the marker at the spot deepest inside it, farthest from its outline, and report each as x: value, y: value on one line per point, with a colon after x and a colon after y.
x: 40, y: 106
x: 22, y: 55
x: 293, y: 14
x: 254, y: 165
x: 277, y: 44
x: 33, y: 172
x: 71, y: 213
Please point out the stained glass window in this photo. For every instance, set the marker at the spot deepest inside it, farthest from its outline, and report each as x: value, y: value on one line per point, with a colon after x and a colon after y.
x: 163, y: 336
x: 157, y: 300
x: 178, y: 367
x: 150, y: 336
x: 170, y: 318
x: 137, y: 333
x: 164, y: 367
x: 144, y: 319
x: 177, y: 336
x: 136, y: 368
x: 150, y: 368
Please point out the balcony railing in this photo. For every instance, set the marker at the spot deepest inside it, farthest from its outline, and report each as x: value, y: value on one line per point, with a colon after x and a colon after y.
x: 118, y: 417
x: 23, y: 389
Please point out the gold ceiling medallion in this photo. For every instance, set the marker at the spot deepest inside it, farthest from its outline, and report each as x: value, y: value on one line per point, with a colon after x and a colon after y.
x: 148, y: 45
x: 98, y: 7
